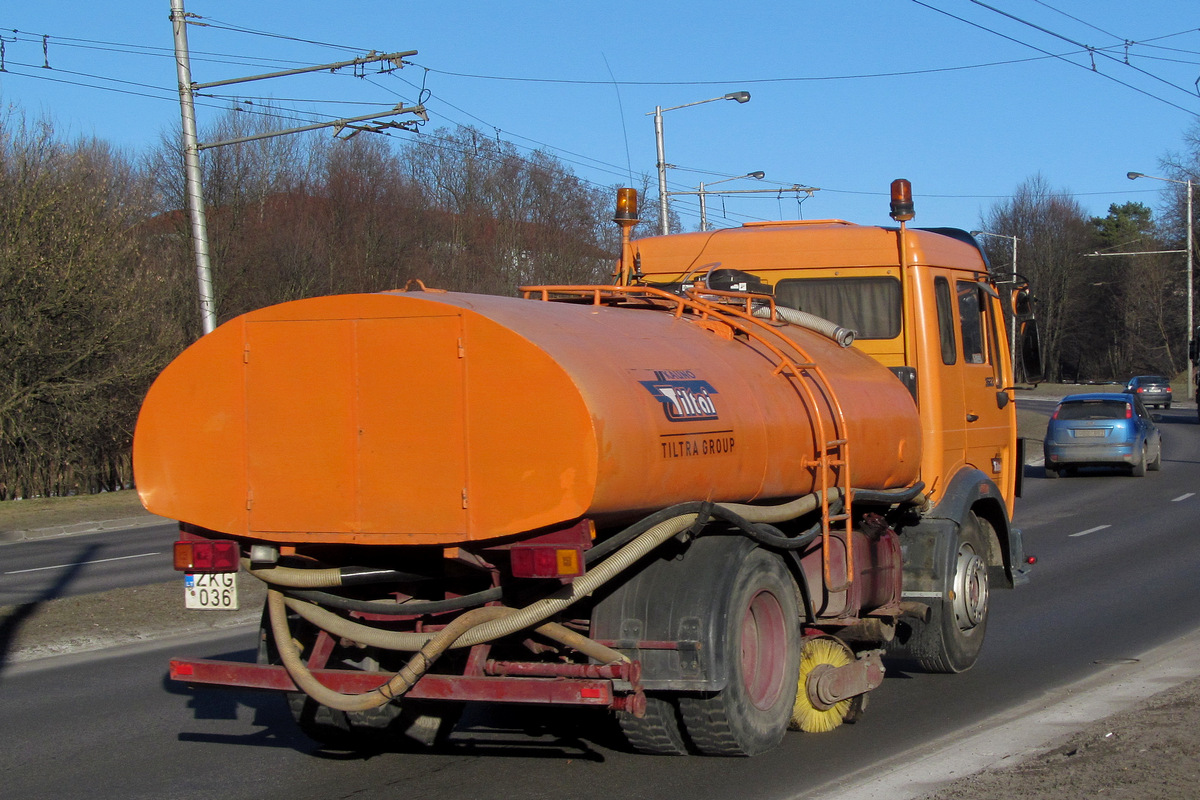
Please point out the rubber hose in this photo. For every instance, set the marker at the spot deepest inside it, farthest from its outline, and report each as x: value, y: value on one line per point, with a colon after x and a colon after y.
x: 830, y: 330
x: 784, y: 511
x: 413, y: 607
x: 595, y: 578
x: 295, y: 578
x: 399, y: 640
x: 474, y: 627
x: 770, y: 514
x: 581, y: 587
x: 889, y: 497
x: 400, y: 683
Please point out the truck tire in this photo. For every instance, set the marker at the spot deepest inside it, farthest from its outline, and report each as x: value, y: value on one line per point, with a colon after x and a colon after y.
x: 951, y: 639
x: 658, y: 733
x: 751, y: 714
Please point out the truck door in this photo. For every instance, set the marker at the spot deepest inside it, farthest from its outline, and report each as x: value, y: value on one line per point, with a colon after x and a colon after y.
x: 987, y: 416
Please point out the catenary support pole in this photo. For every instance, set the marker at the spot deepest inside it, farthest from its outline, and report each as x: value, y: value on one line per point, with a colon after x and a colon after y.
x: 191, y: 162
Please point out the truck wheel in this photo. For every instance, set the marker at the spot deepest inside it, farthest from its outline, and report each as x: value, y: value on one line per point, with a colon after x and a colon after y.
x: 751, y: 714
x: 658, y: 733
x: 952, y: 638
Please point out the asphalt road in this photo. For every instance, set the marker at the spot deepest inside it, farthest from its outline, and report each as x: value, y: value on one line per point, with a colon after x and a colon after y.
x: 1117, y: 560
x: 63, y: 566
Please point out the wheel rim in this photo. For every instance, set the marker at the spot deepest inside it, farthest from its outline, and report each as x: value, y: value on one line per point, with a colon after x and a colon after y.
x: 970, y: 588
x: 764, y: 650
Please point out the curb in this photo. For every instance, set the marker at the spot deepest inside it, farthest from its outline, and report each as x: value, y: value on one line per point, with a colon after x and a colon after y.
x: 1023, y: 732
x: 53, y: 531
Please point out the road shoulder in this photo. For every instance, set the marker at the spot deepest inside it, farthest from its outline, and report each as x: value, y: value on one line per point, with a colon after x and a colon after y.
x: 1033, y: 751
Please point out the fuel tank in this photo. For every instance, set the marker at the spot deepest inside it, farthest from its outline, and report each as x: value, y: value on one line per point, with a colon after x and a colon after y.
x: 442, y: 418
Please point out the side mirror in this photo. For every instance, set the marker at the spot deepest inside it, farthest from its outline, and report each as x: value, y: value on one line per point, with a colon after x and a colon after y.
x: 1029, y: 348
x: 1022, y: 304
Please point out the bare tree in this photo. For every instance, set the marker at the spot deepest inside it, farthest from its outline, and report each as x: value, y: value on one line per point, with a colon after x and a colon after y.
x: 1054, y: 234
x: 80, y: 346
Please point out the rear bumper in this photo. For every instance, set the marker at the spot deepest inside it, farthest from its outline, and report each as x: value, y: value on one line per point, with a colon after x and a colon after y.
x: 1089, y: 454
x: 1155, y: 399
x: 610, y: 686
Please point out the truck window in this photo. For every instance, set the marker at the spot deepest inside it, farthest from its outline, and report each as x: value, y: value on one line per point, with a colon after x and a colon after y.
x: 945, y: 315
x: 970, y: 314
x: 868, y: 305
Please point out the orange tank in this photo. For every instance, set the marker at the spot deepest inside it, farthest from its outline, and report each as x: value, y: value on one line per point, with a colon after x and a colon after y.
x: 440, y: 418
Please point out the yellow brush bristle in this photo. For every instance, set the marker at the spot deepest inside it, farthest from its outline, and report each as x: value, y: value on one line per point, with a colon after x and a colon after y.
x: 805, y: 716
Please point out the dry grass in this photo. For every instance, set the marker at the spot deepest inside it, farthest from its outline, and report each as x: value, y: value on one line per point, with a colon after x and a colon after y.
x: 43, y: 512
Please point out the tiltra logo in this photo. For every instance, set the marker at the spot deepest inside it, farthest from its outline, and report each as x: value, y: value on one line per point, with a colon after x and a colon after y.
x: 684, y: 397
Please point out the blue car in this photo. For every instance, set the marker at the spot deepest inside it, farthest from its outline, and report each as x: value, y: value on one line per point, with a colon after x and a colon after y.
x: 1102, y: 429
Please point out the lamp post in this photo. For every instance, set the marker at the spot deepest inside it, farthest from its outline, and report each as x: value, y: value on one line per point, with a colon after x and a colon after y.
x: 758, y: 175
x: 1012, y: 323
x: 1191, y: 374
x: 740, y: 97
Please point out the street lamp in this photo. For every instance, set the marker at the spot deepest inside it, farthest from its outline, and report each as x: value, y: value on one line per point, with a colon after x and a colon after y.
x: 740, y: 97
x: 1191, y: 374
x: 1012, y: 323
x: 758, y: 175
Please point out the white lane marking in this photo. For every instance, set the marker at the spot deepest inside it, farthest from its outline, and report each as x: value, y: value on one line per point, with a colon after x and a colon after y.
x: 79, y: 563
x: 1091, y: 530
x: 1184, y: 497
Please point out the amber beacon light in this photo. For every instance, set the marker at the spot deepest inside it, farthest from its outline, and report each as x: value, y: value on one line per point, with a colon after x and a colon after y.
x: 902, y: 202
x: 627, y: 206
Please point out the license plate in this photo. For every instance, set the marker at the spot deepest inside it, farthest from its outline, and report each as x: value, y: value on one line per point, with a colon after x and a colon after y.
x: 1086, y: 433
x: 211, y: 591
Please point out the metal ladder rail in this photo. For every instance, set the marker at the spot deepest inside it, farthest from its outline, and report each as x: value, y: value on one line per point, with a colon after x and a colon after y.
x: 834, y: 454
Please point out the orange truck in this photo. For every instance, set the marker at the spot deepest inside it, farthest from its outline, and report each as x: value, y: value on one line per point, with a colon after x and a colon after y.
x: 714, y: 497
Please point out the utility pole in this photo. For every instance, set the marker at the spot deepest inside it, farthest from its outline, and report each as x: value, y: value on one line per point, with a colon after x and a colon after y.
x: 192, y: 145
x: 191, y: 165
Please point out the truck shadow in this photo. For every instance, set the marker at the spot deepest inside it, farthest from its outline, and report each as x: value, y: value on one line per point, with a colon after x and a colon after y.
x: 483, y: 731
x: 20, y: 614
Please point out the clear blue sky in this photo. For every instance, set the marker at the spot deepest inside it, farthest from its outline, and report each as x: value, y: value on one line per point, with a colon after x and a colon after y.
x: 961, y: 99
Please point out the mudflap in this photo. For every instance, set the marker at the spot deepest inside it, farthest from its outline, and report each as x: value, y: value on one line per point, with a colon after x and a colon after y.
x: 671, y: 614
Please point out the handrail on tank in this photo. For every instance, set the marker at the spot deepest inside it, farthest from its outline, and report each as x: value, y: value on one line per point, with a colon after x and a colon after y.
x: 760, y: 331
x: 824, y: 463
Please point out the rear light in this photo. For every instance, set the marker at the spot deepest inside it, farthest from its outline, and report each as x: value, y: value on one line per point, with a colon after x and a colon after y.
x: 547, y: 562
x: 1141, y: 389
x: 217, y: 555
x: 1057, y: 408
x: 1129, y: 410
